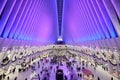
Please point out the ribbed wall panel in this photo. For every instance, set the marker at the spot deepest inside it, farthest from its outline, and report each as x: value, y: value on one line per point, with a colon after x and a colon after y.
x: 33, y: 20
x: 2, y: 5
x: 11, y: 20
x: 6, y: 13
x: 29, y: 10
x: 22, y: 20
x: 90, y: 20
x: 116, y: 4
x: 28, y: 29
x: 112, y: 14
x: 16, y: 22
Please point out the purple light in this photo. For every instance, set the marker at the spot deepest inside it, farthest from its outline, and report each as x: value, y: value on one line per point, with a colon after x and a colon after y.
x: 87, y: 20
x: 29, y: 20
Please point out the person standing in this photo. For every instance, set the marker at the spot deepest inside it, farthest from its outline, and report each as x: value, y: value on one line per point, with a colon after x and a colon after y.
x: 98, y: 78
x: 15, y: 78
x: 25, y: 78
x: 65, y: 77
x: 111, y: 78
x: 8, y: 78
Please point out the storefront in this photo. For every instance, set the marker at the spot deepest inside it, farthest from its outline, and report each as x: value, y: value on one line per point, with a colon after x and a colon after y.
x: 87, y: 74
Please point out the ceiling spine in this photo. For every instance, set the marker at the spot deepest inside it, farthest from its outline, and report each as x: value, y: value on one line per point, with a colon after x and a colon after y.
x: 60, y: 11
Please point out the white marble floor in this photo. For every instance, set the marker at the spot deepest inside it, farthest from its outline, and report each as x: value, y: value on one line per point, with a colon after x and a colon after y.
x: 99, y: 72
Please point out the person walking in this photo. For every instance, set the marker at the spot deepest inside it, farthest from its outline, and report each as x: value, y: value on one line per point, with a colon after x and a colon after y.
x: 8, y: 78
x: 111, y: 78
x: 15, y: 78
x: 98, y: 78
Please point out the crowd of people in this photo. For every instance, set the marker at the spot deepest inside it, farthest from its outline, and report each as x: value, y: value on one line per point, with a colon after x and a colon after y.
x: 47, y: 69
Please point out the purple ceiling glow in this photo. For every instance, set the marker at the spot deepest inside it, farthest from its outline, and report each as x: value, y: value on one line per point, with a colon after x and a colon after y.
x: 34, y: 20
x: 78, y: 20
x: 45, y: 23
x: 85, y: 20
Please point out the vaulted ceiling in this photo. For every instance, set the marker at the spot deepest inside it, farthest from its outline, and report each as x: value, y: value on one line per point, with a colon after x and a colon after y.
x: 73, y: 20
x: 86, y: 20
x: 34, y: 20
